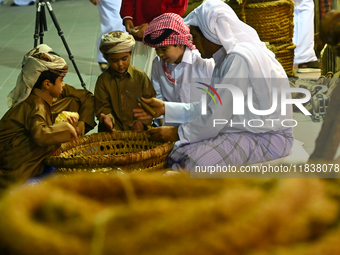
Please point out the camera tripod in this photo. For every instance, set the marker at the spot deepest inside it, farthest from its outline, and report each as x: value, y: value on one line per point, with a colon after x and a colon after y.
x: 41, y: 26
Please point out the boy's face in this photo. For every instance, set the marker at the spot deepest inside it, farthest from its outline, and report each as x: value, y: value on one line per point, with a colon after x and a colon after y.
x: 119, y: 62
x: 170, y: 53
x: 57, y: 87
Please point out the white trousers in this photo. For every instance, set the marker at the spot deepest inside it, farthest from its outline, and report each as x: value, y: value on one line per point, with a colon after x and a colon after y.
x: 22, y: 2
x: 304, y: 31
x: 110, y: 20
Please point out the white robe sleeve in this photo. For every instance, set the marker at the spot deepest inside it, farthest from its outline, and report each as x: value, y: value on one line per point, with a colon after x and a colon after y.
x: 155, y: 78
x: 156, y: 81
x: 233, y: 70
x: 178, y: 113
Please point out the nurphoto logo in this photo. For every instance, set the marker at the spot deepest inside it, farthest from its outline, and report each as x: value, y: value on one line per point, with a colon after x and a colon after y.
x: 238, y: 103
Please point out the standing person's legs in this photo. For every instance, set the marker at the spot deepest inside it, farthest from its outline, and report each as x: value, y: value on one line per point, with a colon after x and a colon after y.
x: 110, y: 20
x: 304, y: 31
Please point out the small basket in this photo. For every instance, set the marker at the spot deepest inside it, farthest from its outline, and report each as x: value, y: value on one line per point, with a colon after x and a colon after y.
x: 104, y: 152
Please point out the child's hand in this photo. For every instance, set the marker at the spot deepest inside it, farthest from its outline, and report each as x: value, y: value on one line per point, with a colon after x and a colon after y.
x: 107, y: 121
x: 141, y: 29
x: 137, y: 126
x: 78, y: 125
x: 128, y: 25
x: 73, y: 132
x: 164, y: 134
x: 73, y: 121
x: 81, y: 128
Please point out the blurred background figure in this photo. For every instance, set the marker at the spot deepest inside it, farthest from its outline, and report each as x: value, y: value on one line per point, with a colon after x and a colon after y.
x: 303, y: 38
x: 110, y: 20
x: 330, y: 31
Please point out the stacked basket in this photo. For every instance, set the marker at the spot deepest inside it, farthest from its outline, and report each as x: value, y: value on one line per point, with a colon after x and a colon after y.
x: 103, y: 152
x: 273, y: 21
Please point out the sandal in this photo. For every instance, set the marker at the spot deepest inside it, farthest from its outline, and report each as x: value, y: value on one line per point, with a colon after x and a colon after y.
x: 313, y: 64
x: 310, y: 67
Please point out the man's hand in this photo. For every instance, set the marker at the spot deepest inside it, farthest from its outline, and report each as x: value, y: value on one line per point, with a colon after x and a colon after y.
x: 95, y: 2
x: 137, y: 126
x: 157, y: 105
x: 128, y: 25
x: 107, y: 121
x: 164, y: 134
x: 141, y: 29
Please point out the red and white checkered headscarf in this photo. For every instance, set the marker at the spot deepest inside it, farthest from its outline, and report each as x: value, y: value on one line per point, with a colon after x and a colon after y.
x: 168, y: 29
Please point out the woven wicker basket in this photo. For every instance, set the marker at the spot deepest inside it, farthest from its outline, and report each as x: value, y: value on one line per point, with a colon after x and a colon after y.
x: 104, y: 152
x: 273, y: 21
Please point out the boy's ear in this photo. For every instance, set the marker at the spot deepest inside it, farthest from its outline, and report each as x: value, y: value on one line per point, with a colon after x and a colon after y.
x: 46, y: 84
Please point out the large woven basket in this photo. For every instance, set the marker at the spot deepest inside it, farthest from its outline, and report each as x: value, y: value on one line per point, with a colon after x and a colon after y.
x: 273, y: 21
x: 104, y: 152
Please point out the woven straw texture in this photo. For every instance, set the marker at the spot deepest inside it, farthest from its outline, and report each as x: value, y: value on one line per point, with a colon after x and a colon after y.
x: 149, y: 214
x: 273, y: 21
x: 105, y: 152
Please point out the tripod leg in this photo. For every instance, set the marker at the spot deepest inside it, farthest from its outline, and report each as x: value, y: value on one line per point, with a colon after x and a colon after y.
x: 37, y: 25
x: 61, y: 34
x: 43, y: 23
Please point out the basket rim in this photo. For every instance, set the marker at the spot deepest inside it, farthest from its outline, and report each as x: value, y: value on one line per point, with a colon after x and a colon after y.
x: 104, y: 160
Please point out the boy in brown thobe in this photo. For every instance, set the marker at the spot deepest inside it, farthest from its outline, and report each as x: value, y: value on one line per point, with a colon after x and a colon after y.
x: 70, y: 99
x: 112, y: 101
x: 27, y: 134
